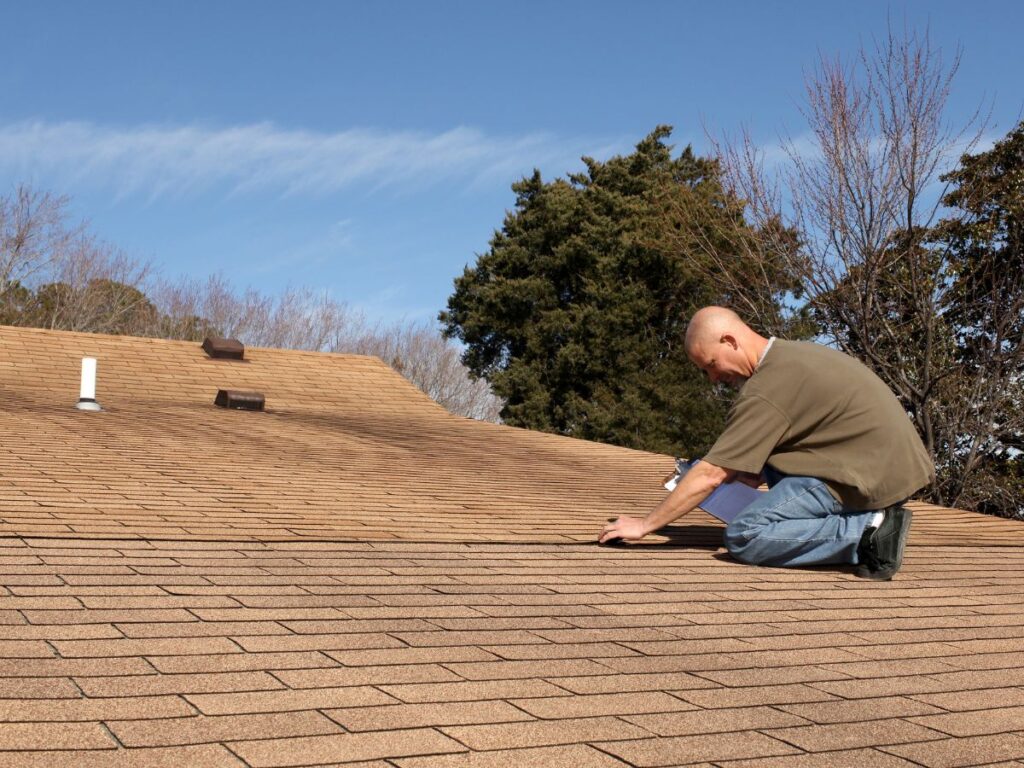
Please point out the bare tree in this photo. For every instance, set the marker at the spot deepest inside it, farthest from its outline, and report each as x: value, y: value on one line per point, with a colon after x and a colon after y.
x: 96, y: 288
x: 858, y: 197
x: 55, y: 274
x: 33, y: 235
x: 297, y: 318
x: 431, y: 362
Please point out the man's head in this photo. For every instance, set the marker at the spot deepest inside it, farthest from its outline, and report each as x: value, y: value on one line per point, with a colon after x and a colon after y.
x: 723, y: 346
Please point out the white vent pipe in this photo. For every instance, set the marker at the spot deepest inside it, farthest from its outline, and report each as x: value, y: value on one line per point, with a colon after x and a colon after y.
x: 87, y: 392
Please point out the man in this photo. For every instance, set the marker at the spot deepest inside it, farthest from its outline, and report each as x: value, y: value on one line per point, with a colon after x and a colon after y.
x: 836, y: 448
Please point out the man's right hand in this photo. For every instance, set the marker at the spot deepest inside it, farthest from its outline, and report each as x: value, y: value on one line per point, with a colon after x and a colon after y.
x: 627, y: 528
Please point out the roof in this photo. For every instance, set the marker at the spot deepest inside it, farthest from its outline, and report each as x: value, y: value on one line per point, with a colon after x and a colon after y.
x: 357, y: 577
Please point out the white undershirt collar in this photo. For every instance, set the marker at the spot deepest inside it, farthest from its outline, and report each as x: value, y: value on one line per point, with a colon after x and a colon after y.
x: 766, y: 348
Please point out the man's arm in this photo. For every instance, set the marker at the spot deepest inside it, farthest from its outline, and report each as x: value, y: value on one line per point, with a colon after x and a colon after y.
x: 695, y: 486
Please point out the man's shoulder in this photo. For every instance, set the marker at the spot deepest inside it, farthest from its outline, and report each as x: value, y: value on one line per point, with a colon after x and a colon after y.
x: 805, y: 370
x: 783, y: 360
x: 793, y: 356
x: 801, y: 348
x: 790, y: 367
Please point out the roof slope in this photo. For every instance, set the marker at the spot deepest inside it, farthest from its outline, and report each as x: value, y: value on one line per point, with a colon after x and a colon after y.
x: 357, y: 577
x: 347, y: 448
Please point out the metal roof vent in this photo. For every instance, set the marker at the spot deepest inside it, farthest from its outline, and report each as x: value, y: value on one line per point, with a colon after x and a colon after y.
x: 245, y: 401
x: 224, y: 349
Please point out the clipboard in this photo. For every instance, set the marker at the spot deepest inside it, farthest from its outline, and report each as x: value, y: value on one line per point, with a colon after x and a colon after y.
x: 726, y: 501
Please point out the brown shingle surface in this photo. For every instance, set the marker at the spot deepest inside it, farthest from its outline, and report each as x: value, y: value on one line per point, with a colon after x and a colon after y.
x: 356, y: 577
x: 348, y: 747
x: 205, y: 756
x: 576, y: 755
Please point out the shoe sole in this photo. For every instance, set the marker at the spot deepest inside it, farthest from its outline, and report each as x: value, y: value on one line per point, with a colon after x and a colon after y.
x: 887, y: 572
x: 908, y: 516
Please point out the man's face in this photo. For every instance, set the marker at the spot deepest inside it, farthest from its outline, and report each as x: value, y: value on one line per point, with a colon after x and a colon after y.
x: 722, y: 362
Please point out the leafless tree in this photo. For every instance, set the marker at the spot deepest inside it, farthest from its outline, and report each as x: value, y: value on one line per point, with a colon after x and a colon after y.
x: 855, y: 200
x: 96, y: 288
x: 55, y: 274
x: 297, y: 318
x: 33, y: 235
x: 432, y: 363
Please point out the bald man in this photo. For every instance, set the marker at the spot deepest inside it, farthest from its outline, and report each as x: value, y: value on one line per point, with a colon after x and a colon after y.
x: 837, y: 450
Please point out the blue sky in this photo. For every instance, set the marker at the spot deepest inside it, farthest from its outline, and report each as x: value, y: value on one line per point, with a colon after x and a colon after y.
x: 367, y: 148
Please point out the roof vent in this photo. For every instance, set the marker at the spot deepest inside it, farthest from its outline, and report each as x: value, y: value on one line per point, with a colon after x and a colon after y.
x: 245, y: 401
x: 224, y: 349
x: 87, y: 396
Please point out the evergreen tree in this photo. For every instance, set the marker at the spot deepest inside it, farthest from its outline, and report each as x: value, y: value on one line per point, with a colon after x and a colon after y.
x: 576, y: 314
x: 984, y: 239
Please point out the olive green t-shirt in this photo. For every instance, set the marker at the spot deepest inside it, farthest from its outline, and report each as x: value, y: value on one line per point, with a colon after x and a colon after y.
x: 812, y: 411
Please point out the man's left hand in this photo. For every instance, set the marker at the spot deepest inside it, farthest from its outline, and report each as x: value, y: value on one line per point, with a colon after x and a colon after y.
x: 749, y: 479
x: 627, y: 528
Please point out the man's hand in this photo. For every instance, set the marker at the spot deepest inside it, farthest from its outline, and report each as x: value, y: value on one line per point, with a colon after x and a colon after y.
x: 696, y: 485
x: 627, y: 528
x: 748, y: 478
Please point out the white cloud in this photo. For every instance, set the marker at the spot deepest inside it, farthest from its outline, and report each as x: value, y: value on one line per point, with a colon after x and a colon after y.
x: 157, y: 160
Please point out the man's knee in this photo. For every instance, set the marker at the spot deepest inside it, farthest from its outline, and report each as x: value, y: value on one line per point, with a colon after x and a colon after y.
x: 741, y: 537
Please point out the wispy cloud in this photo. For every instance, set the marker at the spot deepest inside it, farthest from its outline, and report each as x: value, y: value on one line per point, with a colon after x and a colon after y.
x: 161, y: 160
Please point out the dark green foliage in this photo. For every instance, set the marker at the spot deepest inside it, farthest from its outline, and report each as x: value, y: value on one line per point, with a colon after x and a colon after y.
x: 988, y: 245
x: 984, y: 237
x: 15, y: 304
x: 100, y: 306
x: 576, y: 314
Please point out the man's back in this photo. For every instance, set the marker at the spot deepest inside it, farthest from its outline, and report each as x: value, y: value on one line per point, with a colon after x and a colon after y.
x: 816, y: 412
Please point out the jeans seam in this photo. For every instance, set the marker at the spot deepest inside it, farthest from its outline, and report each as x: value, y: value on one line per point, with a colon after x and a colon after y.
x: 763, y: 537
x: 802, y: 493
x: 790, y: 500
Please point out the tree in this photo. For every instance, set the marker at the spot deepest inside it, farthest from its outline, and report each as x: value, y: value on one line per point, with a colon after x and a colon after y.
x: 33, y: 236
x: 576, y: 313
x: 54, y: 274
x: 983, y: 239
x: 879, y: 275
x: 99, y: 289
x: 431, y: 362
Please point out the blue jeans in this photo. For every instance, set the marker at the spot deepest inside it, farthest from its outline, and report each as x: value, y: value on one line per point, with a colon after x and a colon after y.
x: 797, y: 522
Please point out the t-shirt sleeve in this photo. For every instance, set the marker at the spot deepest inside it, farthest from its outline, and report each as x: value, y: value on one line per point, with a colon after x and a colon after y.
x: 752, y: 431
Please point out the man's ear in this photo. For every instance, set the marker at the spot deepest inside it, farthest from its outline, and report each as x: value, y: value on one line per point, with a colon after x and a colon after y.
x: 728, y: 338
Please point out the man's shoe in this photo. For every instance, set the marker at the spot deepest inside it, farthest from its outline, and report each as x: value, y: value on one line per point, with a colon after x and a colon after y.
x: 880, y: 553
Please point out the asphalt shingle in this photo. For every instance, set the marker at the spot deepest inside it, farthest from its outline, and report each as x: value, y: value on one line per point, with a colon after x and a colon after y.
x: 356, y: 577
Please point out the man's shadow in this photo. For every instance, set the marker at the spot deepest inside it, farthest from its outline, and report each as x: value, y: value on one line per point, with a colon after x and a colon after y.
x: 707, y: 537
